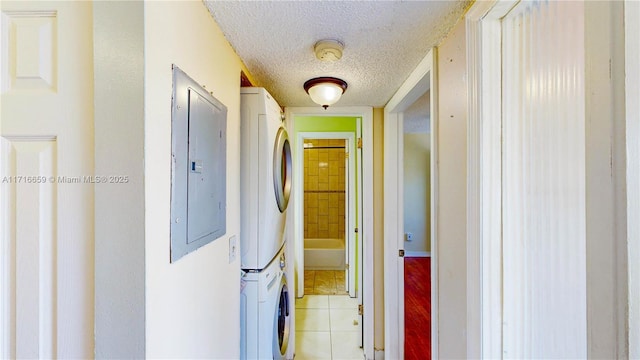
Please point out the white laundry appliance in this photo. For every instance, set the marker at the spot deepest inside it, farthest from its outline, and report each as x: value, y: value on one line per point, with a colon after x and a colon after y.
x: 265, y: 181
x: 265, y: 312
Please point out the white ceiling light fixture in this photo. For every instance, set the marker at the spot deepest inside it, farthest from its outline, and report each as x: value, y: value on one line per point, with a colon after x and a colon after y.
x: 325, y: 91
x: 328, y: 50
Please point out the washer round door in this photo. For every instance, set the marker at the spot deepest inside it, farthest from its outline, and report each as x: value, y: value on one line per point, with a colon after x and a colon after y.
x: 282, y: 321
x: 282, y: 170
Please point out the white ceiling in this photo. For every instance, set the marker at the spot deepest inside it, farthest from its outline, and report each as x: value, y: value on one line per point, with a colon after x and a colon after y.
x: 384, y: 41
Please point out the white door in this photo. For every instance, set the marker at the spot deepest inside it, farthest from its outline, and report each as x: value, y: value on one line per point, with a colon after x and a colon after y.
x: 46, y: 211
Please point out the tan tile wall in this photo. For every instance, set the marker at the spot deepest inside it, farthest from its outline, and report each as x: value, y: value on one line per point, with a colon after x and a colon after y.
x: 324, y: 189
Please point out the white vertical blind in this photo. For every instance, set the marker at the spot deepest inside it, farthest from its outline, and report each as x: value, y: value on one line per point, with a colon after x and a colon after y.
x: 544, y: 228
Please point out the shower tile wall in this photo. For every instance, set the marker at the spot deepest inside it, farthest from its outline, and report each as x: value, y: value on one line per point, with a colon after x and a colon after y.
x: 324, y: 188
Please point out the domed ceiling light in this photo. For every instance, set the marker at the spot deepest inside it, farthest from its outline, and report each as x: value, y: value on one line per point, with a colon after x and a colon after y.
x: 325, y: 91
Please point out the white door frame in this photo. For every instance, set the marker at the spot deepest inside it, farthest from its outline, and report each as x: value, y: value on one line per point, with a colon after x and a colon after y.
x: 366, y: 231
x: 350, y: 202
x: 422, y: 79
x: 484, y: 195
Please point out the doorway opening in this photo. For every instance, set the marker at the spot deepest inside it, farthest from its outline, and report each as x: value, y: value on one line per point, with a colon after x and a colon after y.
x: 417, y: 93
x: 330, y: 244
x: 417, y: 228
x: 329, y: 257
x: 350, y: 124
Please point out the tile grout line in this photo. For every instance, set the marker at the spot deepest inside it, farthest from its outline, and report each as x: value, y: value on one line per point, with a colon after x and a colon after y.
x: 330, y: 327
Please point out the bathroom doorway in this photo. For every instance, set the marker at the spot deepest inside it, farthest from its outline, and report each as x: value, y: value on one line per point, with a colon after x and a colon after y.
x: 330, y: 249
x: 331, y: 298
x: 325, y: 206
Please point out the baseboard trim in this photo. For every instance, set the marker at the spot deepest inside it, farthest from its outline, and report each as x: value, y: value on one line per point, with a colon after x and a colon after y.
x: 417, y: 254
x: 378, y: 355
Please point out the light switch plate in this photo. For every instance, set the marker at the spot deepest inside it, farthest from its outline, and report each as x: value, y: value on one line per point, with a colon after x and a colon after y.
x: 232, y: 249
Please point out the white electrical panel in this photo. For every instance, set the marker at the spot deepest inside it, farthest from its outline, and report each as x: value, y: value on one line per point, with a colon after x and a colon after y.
x: 198, y: 171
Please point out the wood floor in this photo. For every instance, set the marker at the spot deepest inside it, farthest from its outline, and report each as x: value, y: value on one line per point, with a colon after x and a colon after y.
x: 417, y: 308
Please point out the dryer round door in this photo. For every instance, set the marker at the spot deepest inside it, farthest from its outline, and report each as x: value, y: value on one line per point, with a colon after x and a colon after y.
x: 282, y: 169
x: 282, y: 321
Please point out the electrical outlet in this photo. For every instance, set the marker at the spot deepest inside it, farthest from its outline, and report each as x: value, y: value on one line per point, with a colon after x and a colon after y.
x: 408, y: 236
x: 232, y: 249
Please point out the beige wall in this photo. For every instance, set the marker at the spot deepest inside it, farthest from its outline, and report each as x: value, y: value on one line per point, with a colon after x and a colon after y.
x: 605, y: 165
x: 324, y: 189
x: 417, y: 191
x: 378, y: 227
x: 452, y: 192
x: 632, y: 70
x: 119, y: 328
x: 192, y: 305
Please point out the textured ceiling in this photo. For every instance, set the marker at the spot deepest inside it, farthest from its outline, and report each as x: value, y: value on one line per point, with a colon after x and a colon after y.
x: 384, y: 41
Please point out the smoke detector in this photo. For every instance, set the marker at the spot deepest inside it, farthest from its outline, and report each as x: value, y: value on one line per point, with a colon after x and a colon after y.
x: 328, y: 50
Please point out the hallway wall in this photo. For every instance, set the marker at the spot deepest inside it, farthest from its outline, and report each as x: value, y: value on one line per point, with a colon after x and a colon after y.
x: 452, y: 192
x: 193, y: 304
x: 119, y: 328
x: 605, y: 179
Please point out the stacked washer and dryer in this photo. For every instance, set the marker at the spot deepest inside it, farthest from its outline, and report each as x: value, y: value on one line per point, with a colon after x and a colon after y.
x: 265, y: 187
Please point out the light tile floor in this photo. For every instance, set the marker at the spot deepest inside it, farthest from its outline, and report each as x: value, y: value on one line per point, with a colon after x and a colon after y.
x: 324, y: 282
x: 327, y: 328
